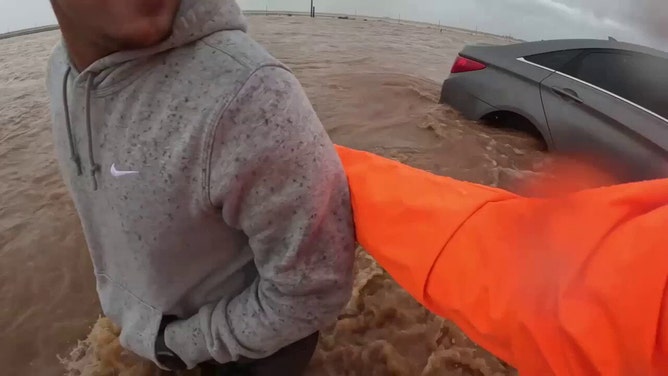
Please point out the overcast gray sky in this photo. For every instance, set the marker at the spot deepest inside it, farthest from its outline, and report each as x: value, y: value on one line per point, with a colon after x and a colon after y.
x: 641, y: 21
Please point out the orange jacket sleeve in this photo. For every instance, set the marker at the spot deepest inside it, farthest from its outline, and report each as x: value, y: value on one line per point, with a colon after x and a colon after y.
x: 574, y: 285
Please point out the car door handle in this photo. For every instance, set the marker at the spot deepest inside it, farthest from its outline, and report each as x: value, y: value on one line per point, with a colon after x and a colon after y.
x: 567, y: 93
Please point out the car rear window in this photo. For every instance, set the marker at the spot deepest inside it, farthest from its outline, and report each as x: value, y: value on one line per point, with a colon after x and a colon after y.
x: 639, y: 78
x: 553, y: 60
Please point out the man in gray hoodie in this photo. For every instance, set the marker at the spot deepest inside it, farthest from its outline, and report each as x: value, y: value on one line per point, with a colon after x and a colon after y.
x: 215, y: 208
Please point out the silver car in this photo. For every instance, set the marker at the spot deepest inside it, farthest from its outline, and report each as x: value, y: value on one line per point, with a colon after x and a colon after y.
x: 605, y: 100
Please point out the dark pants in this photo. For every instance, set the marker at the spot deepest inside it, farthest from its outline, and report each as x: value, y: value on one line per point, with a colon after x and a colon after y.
x: 289, y: 361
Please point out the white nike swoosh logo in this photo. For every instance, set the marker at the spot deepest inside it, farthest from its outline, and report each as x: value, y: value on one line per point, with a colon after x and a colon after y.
x: 117, y: 174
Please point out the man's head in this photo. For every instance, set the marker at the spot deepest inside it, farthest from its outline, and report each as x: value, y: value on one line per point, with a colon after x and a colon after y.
x: 107, y: 26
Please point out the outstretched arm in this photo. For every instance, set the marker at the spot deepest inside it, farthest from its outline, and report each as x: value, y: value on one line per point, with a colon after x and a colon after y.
x: 563, y: 286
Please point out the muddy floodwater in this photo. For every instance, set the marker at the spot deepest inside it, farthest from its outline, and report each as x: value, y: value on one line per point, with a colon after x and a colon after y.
x: 375, y: 85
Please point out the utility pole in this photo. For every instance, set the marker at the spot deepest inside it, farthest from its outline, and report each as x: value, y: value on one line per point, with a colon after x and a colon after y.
x: 312, y: 10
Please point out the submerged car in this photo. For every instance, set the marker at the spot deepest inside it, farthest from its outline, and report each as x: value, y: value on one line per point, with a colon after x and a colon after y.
x: 603, y: 99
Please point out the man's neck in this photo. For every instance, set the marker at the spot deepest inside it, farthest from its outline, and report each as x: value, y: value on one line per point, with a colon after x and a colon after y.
x: 80, y: 47
x: 82, y: 53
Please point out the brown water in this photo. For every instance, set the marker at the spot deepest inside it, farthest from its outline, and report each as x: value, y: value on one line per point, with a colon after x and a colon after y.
x: 375, y: 86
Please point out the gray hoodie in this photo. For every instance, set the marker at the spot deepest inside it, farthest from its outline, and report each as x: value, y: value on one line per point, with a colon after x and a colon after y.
x: 207, y: 189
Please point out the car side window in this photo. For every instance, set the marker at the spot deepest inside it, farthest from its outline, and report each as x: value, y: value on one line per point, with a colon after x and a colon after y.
x: 639, y: 78
x: 553, y: 60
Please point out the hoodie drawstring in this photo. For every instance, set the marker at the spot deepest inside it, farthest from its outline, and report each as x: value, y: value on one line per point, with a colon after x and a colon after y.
x: 94, y: 168
x: 74, y: 153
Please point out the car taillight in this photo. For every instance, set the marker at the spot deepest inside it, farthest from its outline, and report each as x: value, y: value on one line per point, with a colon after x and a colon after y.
x: 463, y: 64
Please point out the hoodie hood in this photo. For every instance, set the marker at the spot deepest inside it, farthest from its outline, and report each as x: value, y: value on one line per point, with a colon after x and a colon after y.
x: 194, y: 20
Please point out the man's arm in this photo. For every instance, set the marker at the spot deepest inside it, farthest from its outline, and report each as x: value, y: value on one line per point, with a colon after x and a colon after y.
x: 277, y: 177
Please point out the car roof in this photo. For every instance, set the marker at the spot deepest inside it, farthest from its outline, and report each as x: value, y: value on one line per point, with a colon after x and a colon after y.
x: 531, y: 48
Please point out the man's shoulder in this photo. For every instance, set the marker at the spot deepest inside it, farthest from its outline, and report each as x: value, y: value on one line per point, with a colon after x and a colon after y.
x: 241, y: 49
